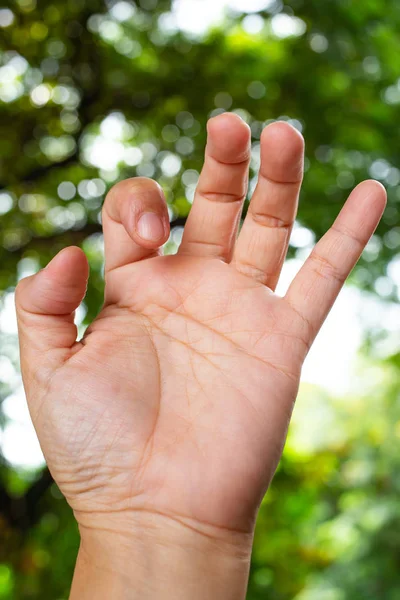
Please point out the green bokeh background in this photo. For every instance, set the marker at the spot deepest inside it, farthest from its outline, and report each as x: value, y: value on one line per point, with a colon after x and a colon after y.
x: 94, y: 92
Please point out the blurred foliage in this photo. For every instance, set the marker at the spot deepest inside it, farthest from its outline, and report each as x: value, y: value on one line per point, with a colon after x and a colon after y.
x: 329, y: 527
x: 93, y: 92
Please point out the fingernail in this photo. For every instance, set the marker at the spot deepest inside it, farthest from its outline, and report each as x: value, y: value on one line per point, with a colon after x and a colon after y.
x: 150, y: 227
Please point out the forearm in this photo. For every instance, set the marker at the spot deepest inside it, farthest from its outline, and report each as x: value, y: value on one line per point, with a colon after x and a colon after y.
x: 162, y: 558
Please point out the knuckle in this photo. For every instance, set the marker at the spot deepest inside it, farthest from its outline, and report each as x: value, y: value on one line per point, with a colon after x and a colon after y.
x: 326, y: 269
x: 270, y: 221
x: 223, y: 197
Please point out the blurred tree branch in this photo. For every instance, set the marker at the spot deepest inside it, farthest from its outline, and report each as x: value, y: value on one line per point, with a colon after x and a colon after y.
x: 22, y: 512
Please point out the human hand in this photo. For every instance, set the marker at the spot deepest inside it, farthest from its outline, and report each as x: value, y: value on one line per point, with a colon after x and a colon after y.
x: 174, y: 406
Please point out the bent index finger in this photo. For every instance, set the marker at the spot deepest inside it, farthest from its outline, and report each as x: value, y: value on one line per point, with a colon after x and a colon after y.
x: 319, y: 281
x: 135, y: 222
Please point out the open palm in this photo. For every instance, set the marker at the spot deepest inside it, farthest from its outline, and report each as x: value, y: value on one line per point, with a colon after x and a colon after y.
x: 178, y: 398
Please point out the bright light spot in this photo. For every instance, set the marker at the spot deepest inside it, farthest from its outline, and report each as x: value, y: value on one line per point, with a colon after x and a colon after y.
x: 177, y: 235
x: 223, y: 100
x: 171, y: 164
x: 6, y: 203
x: 41, y: 94
x: 91, y: 188
x: 354, y: 159
x: 253, y: 24
x: 345, y: 180
x: 61, y: 94
x: 100, y: 187
x: 80, y: 314
x: 19, y: 442
x: 371, y: 65
x: 318, y: 43
x: 256, y: 90
x: 113, y: 126
x: 30, y: 203
x: 110, y: 31
x: 167, y: 23
x: 93, y: 22
x: 197, y: 16
x: 170, y: 133
x: 69, y: 121
x: 19, y: 64
x: 33, y: 78
x: 184, y: 119
x: 379, y: 169
x: 66, y: 190
x: 146, y: 169
x: 77, y: 212
x: 372, y: 249
x: 149, y: 150
x: 392, y: 94
x: 383, y: 286
x: 190, y: 177
x: 10, y: 87
x: 122, y: 11
x: 27, y: 266
x: 184, y: 146
x: 7, y: 370
x: 296, y: 124
x: 105, y: 154
x: 393, y: 177
x: 7, y: 74
x: 133, y: 156
x: 8, y: 317
x: 284, y: 26
x: 190, y: 193
x: 60, y: 217
x: 301, y: 237
x: 6, y: 17
x: 393, y: 271
x: 15, y: 408
x: 248, y: 6
x: 392, y: 239
x: 57, y: 148
x: 243, y: 114
x: 56, y: 48
x: 130, y: 48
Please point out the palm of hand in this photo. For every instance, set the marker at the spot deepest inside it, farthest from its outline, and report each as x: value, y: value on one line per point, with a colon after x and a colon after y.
x: 178, y: 398
x: 181, y: 395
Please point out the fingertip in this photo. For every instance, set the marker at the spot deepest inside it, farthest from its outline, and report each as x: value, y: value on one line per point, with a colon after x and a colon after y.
x: 139, y: 204
x: 369, y: 196
x: 228, y: 120
x: 229, y: 138
x: 68, y: 268
x: 285, y: 134
x: 372, y: 186
x: 57, y: 289
x: 71, y: 259
x: 282, y: 152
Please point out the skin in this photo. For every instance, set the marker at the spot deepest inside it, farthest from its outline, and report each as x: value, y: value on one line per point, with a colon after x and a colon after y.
x: 164, y: 425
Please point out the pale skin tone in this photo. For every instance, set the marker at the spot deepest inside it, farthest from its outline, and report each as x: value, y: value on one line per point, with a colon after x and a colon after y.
x: 164, y: 425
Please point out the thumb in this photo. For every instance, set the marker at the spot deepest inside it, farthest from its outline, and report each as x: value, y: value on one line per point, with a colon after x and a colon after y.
x: 45, y: 305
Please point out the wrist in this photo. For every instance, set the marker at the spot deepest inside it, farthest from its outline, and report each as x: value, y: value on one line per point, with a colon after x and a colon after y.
x: 158, y: 556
